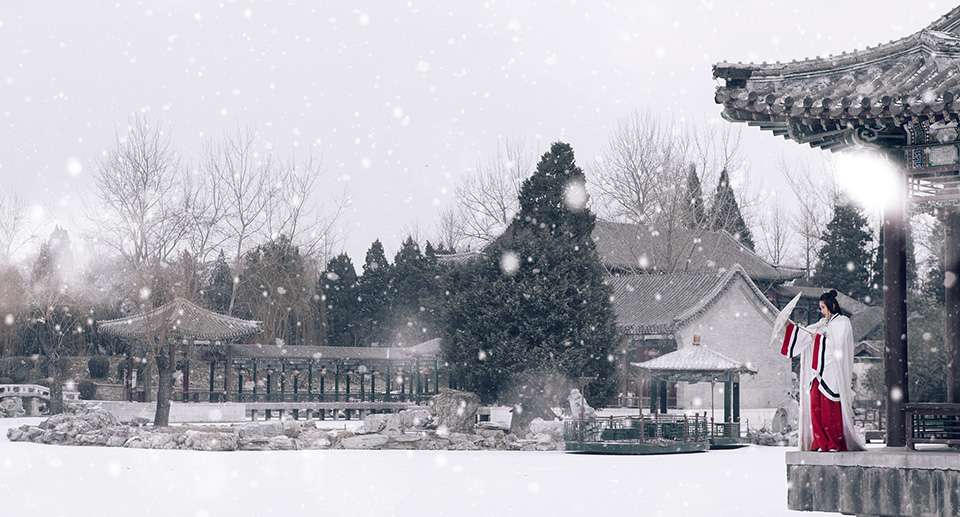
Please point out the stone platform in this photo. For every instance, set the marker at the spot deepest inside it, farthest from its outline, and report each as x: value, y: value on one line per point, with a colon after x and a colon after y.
x: 883, y: 481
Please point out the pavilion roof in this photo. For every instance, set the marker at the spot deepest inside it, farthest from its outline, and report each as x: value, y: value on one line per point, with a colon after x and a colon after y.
x: 824, y: 100
x: 181, y: 319
x: 693, y: 363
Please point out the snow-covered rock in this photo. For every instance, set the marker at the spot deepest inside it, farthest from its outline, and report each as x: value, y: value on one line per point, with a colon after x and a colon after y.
x: 364, y: 441
x: 553, y: 428
x: 455, y: 410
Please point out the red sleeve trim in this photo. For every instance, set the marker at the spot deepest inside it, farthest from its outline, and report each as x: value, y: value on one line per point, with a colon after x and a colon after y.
x: 816, y: 352
x: 787, y: 338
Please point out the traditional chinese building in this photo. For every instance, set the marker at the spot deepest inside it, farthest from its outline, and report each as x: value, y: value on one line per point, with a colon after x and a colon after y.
x: 897, y: 101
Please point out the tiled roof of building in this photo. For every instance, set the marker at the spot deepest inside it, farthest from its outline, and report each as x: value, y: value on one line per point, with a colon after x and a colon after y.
x: 829, y: 101
x: 693, y: 359
x: 181, y: 319
x: 633, y: 247
x: 426, y: 350
x: 652, y: 304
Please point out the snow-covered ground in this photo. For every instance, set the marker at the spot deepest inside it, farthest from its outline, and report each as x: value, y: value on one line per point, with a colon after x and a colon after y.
x: 45, y: 480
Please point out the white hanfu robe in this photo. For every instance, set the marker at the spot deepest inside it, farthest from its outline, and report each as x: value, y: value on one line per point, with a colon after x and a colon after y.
x: 826, y: 354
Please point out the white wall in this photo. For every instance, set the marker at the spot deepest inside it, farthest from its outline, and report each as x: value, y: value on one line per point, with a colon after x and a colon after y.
x: 736, y: 326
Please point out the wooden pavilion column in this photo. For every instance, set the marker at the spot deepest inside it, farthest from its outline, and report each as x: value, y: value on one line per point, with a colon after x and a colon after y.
x: 228, y: 374
x: 728, y: 399
x: 186, y: 375
x: 951, y: 300
x: 213, y: 374
x: 736, y: 397
x: 663, y: 397
x: 895, y: 314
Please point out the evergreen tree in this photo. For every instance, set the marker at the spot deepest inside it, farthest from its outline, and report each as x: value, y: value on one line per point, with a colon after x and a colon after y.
x: 339, y: 292
x: 43, y: 266
x: 694, y: 214
x: 538, y: 299
x: 414, y: 288
x: 376, y: 296
x: 219, y: 287
x: 844, y: 259
x: 725, y: 213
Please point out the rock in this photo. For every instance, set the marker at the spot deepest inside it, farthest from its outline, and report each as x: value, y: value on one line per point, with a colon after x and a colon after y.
x: 254, y: 443
x: 543, y: 438
x: 291, y: 428
x: 415, y: 418
x: 404, y: 441
x: 100, y: 438
x: 464, y: 442
x: 260, y: 430
x: 11, y: 407
x: 554, y: 428
x: 382, y: 422
x: 455, y: 410
x: 579, y: 408
x: 364, y: 441
x: 282, y: 443
x: 16, y: 434
x: 209, y: 441
x: 314, y: 440
x: 139, y: 422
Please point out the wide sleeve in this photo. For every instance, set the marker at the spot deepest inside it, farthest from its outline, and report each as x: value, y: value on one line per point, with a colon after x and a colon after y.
x: 797, y: 340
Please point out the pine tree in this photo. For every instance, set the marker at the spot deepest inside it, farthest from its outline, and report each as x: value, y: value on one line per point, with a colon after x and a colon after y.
x: 219, y: 287
x: 694, y: 214
x: 414, y: 287
x: 375, y: 296
x: 725, y: 213
x: 844, y: 259
x: 538, y: 299
x: 339, y: 292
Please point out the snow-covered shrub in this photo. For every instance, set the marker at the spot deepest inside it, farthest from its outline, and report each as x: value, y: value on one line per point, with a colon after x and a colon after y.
x: 88, y: 390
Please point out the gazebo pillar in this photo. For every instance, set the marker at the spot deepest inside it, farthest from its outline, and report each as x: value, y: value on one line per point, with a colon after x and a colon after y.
x: 663, y: 397
x: 951, y: 300
x: 727, y: 400
x: 228, y: 374
x: 895, y: 314
x: 186, y: 375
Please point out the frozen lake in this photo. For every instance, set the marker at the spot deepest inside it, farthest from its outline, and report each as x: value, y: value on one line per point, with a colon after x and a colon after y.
x: 45, y: 480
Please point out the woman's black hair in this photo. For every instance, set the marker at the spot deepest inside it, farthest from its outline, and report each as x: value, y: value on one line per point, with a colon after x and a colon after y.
x: 829, y: 299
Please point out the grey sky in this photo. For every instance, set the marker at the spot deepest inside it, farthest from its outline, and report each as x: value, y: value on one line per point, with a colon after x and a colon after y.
x: 398, y: 98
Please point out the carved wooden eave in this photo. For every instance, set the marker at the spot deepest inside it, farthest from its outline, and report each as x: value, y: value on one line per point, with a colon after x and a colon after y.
x: 902, y: 97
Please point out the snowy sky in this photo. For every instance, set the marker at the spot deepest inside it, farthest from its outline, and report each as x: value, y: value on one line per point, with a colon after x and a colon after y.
x: 399, y: 99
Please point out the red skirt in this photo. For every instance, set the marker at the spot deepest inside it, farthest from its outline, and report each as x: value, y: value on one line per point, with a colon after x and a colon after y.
x: 826, y: 417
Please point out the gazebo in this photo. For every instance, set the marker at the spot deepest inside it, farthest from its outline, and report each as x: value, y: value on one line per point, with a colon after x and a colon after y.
x: 698, y: 363
x: 899, y: 103
x: 162, y: 329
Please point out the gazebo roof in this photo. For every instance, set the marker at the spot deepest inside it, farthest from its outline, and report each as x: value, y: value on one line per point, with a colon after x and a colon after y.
x: 830, y: 102
x: 181, y: 319
x: 693, y: 363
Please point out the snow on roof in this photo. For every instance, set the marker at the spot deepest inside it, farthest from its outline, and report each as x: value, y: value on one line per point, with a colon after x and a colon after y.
x: 659, y: 304
x: 694, y: 359
x: 180, y: 319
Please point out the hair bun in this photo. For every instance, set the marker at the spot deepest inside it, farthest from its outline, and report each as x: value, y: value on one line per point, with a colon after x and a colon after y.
x: 832, y: 293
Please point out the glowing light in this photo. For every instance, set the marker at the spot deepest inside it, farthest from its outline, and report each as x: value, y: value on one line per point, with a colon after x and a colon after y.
x: 868, y: 179
x: 509, y: 263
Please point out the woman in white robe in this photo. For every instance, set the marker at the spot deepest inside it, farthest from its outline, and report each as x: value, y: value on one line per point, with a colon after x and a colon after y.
x: 826, y: 351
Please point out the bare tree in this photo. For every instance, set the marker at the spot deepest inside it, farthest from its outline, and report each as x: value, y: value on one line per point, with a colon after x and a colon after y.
x: 244, y: 176
x: 13, y: 222
x: 815, y: 194
x: 774, y: 238
x: 449, y: 230
x: 142, y: 216
x: 488, y: 198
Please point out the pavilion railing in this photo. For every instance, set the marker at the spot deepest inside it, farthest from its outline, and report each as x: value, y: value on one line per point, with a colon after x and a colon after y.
x: 932, y: 423
x: 647, y: 428
x: 725, y: 430
x: 260, y: 396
